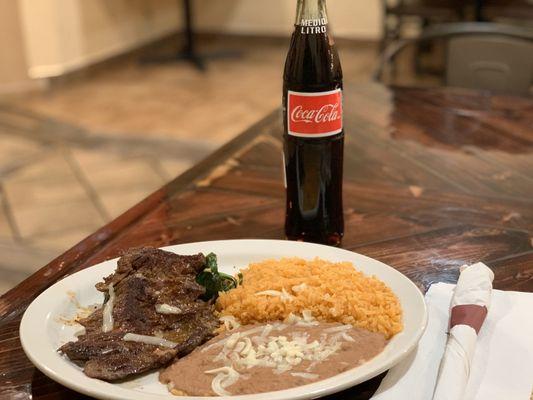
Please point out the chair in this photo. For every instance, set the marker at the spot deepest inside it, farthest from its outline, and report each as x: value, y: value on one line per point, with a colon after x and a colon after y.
x: 396, y: 12
x: 518, y: 10
x: 480, y: 55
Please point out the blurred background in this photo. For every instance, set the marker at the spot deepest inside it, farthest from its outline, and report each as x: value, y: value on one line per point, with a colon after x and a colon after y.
x: 103, y: 101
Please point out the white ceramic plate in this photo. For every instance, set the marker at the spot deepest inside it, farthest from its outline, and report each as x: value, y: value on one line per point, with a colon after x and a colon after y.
x: 42, y: 332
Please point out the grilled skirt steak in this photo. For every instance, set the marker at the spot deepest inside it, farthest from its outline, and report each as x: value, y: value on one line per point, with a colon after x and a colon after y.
x: 155, y: 294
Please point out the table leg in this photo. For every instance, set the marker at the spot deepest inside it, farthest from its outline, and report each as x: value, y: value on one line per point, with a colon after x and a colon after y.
x: 189, y: 52
x: 479, y: 10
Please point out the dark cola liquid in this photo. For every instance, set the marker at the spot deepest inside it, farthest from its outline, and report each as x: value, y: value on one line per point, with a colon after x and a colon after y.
x: 313, y: 166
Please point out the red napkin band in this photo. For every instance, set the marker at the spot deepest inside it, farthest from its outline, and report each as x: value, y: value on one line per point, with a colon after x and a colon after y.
x: 472, y: 315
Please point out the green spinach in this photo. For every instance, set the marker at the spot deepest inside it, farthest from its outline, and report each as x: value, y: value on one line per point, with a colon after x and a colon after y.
x: 215, y: 281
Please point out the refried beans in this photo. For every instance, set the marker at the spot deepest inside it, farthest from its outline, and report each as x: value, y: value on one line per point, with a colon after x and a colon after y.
x: 270, y: 357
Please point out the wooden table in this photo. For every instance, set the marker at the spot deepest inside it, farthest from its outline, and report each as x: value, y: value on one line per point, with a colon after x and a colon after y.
x: 434, y: 179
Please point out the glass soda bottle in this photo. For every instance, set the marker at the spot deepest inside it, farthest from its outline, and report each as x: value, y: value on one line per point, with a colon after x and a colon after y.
x: 313, y: 130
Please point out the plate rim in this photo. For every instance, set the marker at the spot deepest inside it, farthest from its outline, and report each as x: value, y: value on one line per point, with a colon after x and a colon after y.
x: 296, y: 393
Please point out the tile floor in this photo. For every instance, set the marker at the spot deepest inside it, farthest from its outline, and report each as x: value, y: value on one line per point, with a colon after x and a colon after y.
x: 75, y: 156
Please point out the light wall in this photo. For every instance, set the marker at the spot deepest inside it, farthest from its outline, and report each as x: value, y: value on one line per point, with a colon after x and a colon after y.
x: 356, y: 19
x: 65, y: 35
x: 13, y: 66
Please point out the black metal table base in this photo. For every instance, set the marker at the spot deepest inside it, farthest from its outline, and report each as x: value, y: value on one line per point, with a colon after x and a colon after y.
x: 189, y: 53
x: 198, y: 60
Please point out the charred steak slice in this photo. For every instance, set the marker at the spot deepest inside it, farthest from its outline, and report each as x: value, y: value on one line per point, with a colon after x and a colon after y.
x: 155, y: 294
x: 135, y: 360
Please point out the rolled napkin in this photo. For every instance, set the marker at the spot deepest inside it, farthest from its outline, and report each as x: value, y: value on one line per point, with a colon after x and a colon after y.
x: 502, y: 367
x: 468, y: 310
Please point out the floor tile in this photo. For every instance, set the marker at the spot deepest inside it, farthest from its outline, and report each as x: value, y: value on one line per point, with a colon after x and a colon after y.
x: 51, y: 168
x: 23, y: 257
x: 16, y: 152
x: 47, y: 197
x: 13, y: 121
x: 60, y: 242
x: 107, y: 172
x: 120, y: 182
x: 174, y: 168
x: 51, y: 218
x: 96, y: 159
x: 20, y: 261
x: 5, y: 229
x: 43, y: 183
x: 117, y: 202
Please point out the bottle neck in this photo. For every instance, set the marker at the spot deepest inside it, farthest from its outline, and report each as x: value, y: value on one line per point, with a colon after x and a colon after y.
x: 312, y: 13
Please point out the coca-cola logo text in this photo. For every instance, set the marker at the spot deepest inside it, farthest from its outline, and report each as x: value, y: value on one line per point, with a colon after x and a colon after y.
x: 314, y: 114
x: 326, y: 113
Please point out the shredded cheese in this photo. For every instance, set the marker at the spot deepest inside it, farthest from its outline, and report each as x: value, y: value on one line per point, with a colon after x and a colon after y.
x: 225, y: 376
x: 230, y: 322
x: 241, y: 351
x: 308, y: 316
x: 168, y: 309
x: 79, y: 331
x: 299, y: 288
x: 153, y: 340
x: 347, y: 337
x: 283, y: 294
x: 305, y: 320
x: 224, y: 341
x: 248, y: 346
x: 277, y: 352
x: 338, y: 329
x: 304, y: 375
x: 107, y: 314
x: 273, y: 293
x: 266, y: 331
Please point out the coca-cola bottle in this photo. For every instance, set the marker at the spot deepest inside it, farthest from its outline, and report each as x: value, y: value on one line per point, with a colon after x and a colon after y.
x: 314, y: 132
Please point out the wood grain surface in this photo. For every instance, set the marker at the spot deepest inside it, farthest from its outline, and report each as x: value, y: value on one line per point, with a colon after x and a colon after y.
x: 435, y: 178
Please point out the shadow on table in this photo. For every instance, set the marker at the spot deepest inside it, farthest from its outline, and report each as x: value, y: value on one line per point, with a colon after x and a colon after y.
x: 364, y: 391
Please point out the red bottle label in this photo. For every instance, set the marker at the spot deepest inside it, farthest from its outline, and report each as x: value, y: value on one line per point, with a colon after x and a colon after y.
x: 314, y: 114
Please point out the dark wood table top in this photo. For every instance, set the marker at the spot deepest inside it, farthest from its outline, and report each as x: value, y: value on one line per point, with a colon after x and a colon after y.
x: 435, y: 178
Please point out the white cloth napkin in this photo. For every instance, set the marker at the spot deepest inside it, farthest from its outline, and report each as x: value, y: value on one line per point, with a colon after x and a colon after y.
x: 474, y: 288
x: 502, y: 367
